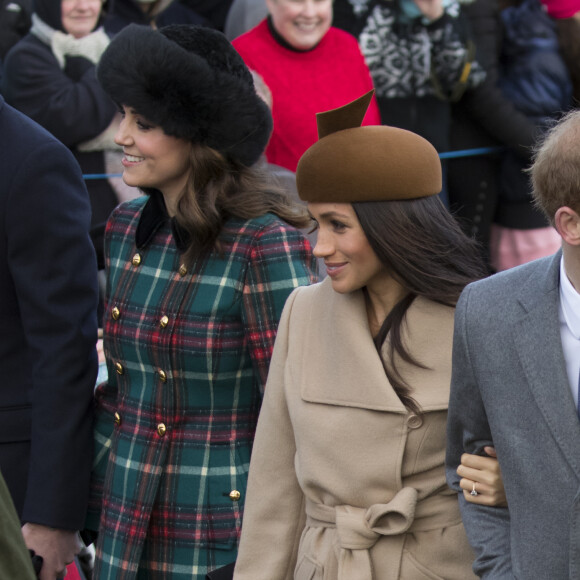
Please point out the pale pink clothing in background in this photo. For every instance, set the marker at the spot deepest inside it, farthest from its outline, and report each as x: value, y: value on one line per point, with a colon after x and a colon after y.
x: 511, y: 247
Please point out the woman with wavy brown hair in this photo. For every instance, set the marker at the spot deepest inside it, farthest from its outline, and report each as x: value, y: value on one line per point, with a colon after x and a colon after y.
x: 198, y: 271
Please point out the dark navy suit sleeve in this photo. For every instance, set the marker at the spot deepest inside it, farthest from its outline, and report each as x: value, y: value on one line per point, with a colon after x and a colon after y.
x: 488, y: 528
x: 53, y: 270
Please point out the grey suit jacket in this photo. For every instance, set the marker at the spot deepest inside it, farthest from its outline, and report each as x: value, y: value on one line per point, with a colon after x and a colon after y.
x: 510, y: 387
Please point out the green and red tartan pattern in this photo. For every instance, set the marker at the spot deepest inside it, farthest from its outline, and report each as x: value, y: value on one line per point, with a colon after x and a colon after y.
x: 166, y: 510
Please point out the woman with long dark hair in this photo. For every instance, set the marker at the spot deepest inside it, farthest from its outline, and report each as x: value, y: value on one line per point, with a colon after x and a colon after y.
x: 198, y: 271
x: 421, y: 246
x: 347, y: 478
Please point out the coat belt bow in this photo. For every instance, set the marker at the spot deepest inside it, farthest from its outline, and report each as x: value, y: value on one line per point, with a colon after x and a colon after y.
x: 358, y: 529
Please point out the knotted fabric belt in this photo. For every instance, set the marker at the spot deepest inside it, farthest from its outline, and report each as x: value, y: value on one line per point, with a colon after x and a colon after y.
x: 358, y: 529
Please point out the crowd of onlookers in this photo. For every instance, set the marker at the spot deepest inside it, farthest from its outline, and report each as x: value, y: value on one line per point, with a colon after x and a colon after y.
x: 470, y: 75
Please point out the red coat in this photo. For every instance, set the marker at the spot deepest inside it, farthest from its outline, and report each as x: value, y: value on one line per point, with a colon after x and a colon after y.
x: 305, y: 83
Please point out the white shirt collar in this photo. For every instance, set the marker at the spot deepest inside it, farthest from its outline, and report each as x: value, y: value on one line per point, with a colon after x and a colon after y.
x: 570, y: 302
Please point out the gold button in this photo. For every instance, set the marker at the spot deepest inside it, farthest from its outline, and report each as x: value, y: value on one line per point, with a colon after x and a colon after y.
x: 182, y: 270
x: 136, y: 260
x: 161, y: 429
x: 162, y: 376
x: 235, y: 495
x: 117, y: 418
x: 414, y: 421
x: 119, y: 368
x: 115, y: 313
x: 164, y: 321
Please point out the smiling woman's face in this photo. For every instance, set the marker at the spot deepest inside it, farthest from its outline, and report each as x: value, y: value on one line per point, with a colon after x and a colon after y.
x: 350, y: 261
x: 152, y: 158
x: 80, y: 17
x: 301, y: 23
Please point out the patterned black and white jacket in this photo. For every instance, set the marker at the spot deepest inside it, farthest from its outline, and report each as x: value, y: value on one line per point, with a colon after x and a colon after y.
x: 418, y: 67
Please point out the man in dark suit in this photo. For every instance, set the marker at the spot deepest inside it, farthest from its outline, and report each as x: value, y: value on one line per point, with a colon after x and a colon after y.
x: 516, y: 366
x: 48, y: 364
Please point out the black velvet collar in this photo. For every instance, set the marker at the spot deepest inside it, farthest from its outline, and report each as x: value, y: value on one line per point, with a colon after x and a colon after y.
x: 281, y: 40
x: 153, y: 216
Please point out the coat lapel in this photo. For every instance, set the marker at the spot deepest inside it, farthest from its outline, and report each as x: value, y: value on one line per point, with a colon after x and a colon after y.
x: 428, y: 334
x: 539, y: 346
x: 346, y: 369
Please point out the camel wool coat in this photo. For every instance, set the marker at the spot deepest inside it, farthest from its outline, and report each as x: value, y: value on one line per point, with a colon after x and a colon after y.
x: 345, y: 483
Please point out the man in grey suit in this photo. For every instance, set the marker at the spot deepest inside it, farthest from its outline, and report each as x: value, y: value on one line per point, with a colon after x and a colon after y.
x: 516, y: 365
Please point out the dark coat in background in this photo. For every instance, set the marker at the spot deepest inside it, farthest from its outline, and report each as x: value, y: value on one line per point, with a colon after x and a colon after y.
x: 14, y: 23
x: 121, y: 13
x: 67, y: 102
x: 48, y: 299
x: 485, y: 117
x: 215, y: 11
x: 535, y: 79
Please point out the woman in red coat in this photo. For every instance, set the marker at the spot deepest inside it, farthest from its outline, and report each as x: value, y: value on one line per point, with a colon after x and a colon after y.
x: 309, y: 67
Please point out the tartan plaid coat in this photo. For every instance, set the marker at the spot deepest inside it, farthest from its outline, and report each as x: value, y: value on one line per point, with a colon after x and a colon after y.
x: 187, y: 355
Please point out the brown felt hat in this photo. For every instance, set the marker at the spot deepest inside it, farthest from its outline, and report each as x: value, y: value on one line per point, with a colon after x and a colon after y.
x: 351, y: 163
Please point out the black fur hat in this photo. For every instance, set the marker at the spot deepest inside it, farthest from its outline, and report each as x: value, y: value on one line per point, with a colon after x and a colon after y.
x: 191, y: 82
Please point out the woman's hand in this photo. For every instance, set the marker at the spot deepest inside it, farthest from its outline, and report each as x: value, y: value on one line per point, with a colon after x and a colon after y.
x: 481, y: 479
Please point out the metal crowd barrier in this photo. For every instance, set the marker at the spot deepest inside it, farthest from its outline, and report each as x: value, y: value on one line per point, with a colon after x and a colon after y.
x: 446, y: 155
